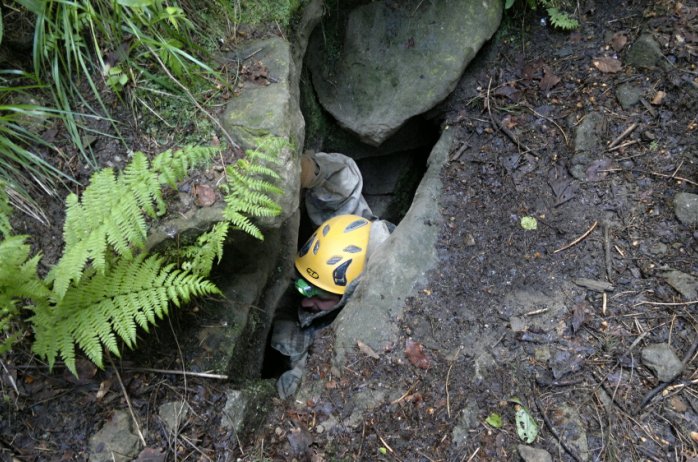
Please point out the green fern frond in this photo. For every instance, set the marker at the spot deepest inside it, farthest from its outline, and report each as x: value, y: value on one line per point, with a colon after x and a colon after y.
x: 172, y: 167
x: 251, y: 187
x: 18, y: 282
x: 112, y: 212
x: 135, y: 293
x: 209, y: 247
x: 242, y: 222
x: 562, y: 19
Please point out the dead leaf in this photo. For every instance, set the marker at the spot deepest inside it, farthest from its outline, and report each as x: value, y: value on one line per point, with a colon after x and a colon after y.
x: 579, y: 317
x: 694, y: 436
x: 204, y: 195
x: 607, y: 65
x: 509, y: 122
x: 367, y: 350
x: 598, y: 170
x: 618, y: 41
x: 103, y: 389
x: 658, y: 98
x: 548, y: 81
x: 415, y: 353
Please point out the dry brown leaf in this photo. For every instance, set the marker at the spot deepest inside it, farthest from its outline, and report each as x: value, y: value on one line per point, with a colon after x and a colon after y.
x: 618, y: 41
x: 548, y: 81
x: 205, y: 195
x: 367, y: 350
x: 607, y: 65
x: 694, y: 436
x: 103, y: 389
x: 415, y: 353
x: 658, y: 98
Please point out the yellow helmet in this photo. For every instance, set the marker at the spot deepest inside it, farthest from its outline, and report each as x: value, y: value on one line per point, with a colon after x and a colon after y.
x: 335, y: 254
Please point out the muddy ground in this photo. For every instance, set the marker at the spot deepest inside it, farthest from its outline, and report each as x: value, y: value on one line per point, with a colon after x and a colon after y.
x: 505, y: 315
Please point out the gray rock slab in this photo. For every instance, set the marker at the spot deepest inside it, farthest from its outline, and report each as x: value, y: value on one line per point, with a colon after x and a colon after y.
x: 246, y: 408
x: 645, y: 52
x: 662, y: 360
x: 400, y: 59
x: 397, y: 267
x: 467, y: 420
x: 271, y: 109
x: 115, y: 441
x: 686, y: 208
x: 173, y: 414
x: 569, y: 423
x: 587, y: 135
x: 529, y: 454
x: 685, y: 284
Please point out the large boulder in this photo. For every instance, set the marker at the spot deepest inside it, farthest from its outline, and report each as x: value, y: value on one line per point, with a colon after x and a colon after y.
x: 398, y: 60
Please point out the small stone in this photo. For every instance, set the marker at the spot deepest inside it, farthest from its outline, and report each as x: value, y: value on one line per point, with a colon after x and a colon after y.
x: 542, y: 354
x: 686, y: 208
x: 529, y: 454
x: 173, y: 414
x: 628, y: 95
x: 662, y: 360
x: 645, y: 52
x: 469, y: 240
x: 658, y: 248
x: 596, y: 286
x: 683, y: 283
x: 319, y: 429
x: 115, y: 441
x: 678, y: 404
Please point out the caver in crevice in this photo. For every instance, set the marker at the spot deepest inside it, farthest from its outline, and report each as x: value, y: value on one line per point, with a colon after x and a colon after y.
x: 330, y: 264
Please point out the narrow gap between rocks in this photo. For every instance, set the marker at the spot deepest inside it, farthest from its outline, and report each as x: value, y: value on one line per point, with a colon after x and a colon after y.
x: 390, y: 182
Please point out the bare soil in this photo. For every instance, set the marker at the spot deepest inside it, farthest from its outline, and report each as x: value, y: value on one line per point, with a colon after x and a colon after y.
x: 503, y: 316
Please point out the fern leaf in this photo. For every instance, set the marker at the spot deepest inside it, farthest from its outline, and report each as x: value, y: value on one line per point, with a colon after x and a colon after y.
x: 208, y: 247
x: 172, y: 167
x: 562, y: 19
x: 111, y: 304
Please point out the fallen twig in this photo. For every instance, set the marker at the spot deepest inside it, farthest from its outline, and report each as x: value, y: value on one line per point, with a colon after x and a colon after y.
x: 622, y: 136
x: 607, y: 251
x: 205, y: 375
x: 579, y: 239
x: 501, y: 127
x: 9, y: 377
x: 128, y: 402
x: 624, y: 145
x: 549, y: 424
x: 666, y: 303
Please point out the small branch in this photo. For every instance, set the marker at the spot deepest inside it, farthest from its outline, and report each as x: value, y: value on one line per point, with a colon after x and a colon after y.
x: 666, y: 303
x: 625, y: 145
x: 579, y: 239
x: 204, y: 375
x: 607, y: 251
x: 128, y: 402
x: 501, y: 127
x: 622, y: 136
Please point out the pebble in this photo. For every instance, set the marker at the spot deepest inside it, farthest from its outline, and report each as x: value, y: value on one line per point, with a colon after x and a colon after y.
x: 686, y: 208
x: 662, y: 360
x: 529, y: 454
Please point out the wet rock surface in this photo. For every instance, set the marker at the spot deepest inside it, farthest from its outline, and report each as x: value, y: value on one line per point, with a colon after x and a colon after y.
x: 397, y: 60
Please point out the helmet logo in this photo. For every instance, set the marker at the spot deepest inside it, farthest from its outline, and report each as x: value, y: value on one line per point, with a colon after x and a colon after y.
x: 311, y: 273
